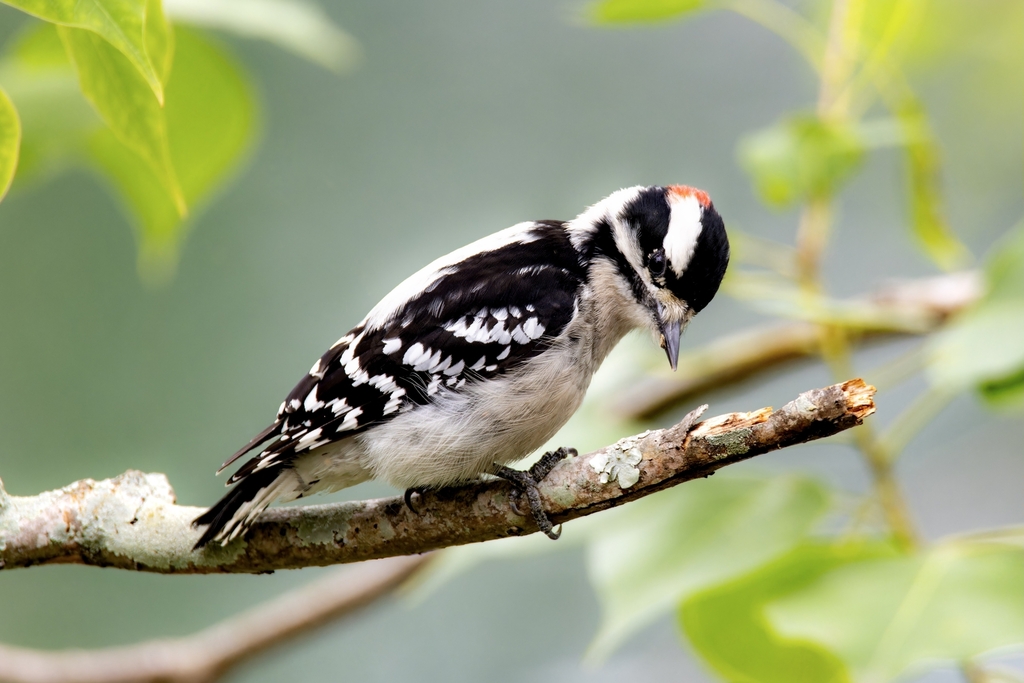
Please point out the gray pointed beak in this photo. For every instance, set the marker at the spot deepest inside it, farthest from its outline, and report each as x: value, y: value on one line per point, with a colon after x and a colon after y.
x: 669, y: 337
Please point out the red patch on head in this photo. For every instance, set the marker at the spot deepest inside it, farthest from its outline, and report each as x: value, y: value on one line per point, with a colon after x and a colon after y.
x: 687, y: 191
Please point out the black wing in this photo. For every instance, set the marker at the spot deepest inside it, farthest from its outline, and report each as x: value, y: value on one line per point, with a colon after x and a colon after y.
x: 482, y: 317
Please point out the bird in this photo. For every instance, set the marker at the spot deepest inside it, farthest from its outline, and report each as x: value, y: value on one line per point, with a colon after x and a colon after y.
x: 476, y: 360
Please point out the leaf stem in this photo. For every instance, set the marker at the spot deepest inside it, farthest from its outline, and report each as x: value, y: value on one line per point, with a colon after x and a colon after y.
x: 815, y: 225
x: 784, y: 22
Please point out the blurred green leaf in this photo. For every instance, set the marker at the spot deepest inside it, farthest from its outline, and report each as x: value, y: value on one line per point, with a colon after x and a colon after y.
x: 209, y: 118
x: 631, y: 11
x: 159, y: 40
x: 889, y: 616
x: 125, y: 103
x: 10, y: 141
x: 982, y: 348
x: 665, y: 547
x: 55, y: 117
x: 927, y: 217
x: 210, y: 122
x: 1004, y: 271
x: 800, y: 158
x: 122, y: 23
x: 300, y: 27
x: 727, y: 627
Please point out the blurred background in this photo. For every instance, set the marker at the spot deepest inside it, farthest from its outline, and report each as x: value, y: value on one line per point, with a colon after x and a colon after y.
x: 458, y: 119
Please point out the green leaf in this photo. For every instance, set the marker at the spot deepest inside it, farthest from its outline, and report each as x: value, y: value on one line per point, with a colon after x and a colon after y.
x: 982, y: 348
x: 663, y: 548
x: 296, y: 26
x: 41, y: 82
x: 10, y: 141
x: 1004, y: 271
x: 927, y: 213
x: 124, y: 24
x: 984, y: 345
x: 801, y: 158
x: 159, y: 41
x: 889, y: 617
x: 726, y: 625
x: 125, y: 103
x: 210, y: 122
x: 632, y: 11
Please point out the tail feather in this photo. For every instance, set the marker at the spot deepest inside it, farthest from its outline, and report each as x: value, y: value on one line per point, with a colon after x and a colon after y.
x: 233, y: 514
x: 271, y: 431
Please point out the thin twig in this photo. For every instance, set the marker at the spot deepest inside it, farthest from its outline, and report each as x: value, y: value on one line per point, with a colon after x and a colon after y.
x: 734, y: 358
x: 132, y: 522
x: 207, y: 655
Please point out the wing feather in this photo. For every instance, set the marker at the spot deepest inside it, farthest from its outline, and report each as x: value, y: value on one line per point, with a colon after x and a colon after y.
x: 485, y: 315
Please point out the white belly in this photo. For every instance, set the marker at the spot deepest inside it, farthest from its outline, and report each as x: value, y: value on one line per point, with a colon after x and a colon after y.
x: 460, y: 435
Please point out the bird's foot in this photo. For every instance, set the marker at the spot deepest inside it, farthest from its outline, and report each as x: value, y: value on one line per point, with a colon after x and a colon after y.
x: 524, y: 483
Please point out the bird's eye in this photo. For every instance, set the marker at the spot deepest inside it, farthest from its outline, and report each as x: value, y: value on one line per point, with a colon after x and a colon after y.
x: 656, y: 262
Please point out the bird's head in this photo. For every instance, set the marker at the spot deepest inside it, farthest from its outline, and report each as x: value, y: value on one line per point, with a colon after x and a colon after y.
x: 667, y: 245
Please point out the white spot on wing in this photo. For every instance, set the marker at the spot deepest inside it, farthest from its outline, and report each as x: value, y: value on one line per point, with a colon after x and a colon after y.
x: 504, y: 354
x: 520, y: 336
x: 442, y: 366
x: 414, y: 354
x: 533, y: 328
x: 312, y: 403
x: 392, y: 345
x: 500, y: 334
x: 316, y: 370
x: 394, y: 402
x: 308, y: 438
x: 384, y: 383
x: 338, y: 405
x: 427, y: 361
x: 356, y: 373
x: 351, y: 420
x: 344, y: 340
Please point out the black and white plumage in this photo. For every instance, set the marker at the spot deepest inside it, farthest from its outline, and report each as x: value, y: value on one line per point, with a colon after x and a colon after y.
x: 481, y: 356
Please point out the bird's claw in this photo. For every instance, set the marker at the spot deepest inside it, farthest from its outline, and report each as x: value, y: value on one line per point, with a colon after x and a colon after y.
x: 409, y: 493
x: 525, y: 483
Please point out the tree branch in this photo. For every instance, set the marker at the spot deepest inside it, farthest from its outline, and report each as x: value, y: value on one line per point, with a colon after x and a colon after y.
x: 132, y: 521
x: 923, y: 305
x: 207, y: 655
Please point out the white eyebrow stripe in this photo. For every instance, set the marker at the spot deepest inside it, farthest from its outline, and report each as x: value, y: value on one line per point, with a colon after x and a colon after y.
x: 684, y: 230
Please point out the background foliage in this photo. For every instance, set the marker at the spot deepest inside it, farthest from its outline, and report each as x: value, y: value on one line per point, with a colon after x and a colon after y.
x: 883, y: 138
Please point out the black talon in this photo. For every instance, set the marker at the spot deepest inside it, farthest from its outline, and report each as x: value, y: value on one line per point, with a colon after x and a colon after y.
x: 525, y: 483
x: 409, y: 492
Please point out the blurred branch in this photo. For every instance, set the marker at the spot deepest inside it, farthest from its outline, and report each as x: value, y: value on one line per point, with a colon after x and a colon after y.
x: 209, y: 654
x: 737, y: 357
x: 132, y: 521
